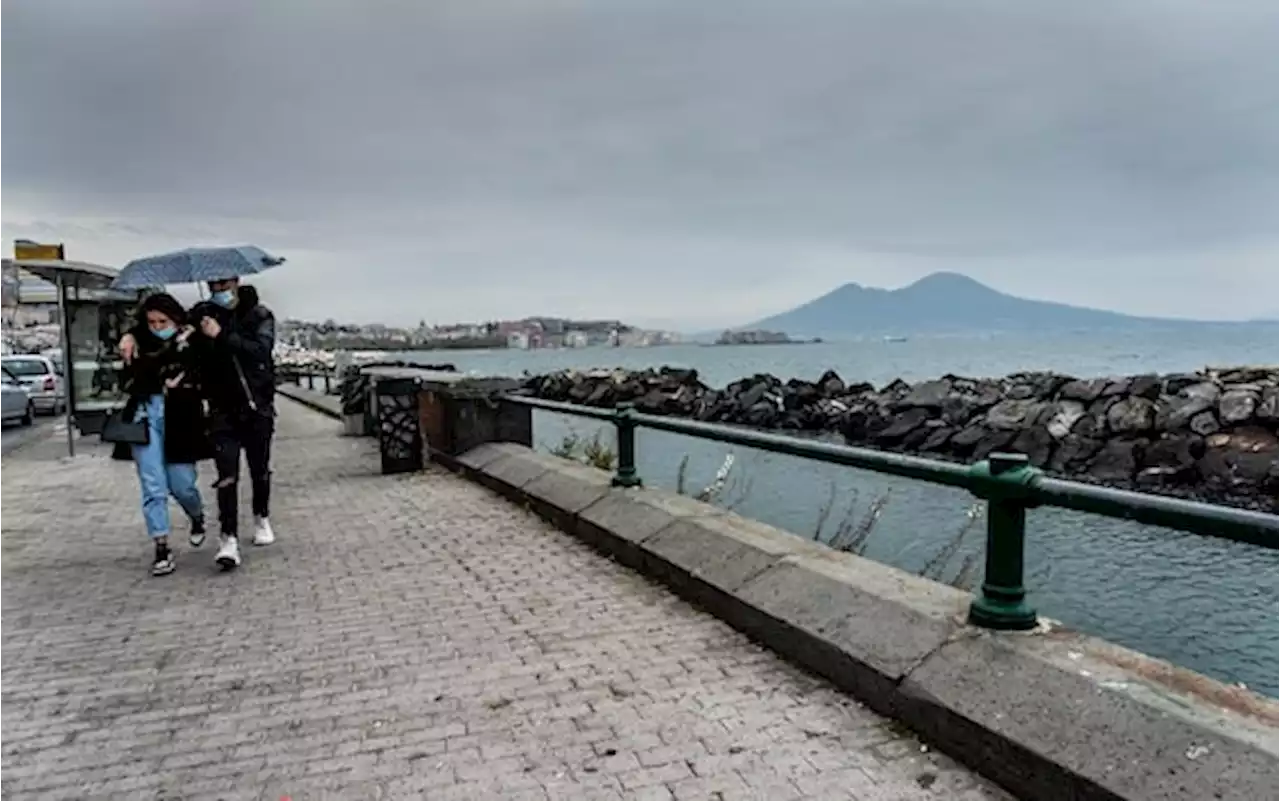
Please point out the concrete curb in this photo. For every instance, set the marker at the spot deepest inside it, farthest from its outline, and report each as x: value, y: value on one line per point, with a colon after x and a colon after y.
x: 328, y: 405
x: 1051, y: 714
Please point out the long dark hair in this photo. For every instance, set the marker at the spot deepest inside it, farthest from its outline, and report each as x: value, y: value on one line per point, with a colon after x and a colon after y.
x: 164, y: 303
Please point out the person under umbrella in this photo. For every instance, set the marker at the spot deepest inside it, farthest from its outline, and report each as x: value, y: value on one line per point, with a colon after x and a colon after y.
x: 234, y: 349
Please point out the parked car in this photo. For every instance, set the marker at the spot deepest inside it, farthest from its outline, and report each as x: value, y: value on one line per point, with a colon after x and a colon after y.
x: 43, y: 378
x: 18, y: 405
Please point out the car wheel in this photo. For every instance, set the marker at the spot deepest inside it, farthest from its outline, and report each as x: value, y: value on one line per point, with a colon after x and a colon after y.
x: 30, y: 416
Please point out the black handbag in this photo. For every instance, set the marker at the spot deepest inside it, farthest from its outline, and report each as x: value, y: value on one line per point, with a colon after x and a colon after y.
x: 120, y: 429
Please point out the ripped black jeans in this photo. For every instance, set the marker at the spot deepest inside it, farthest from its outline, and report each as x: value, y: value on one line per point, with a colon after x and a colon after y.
x: 232, y: 433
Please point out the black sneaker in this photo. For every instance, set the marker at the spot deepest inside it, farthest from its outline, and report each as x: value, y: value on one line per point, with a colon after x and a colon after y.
x: 163, y: 564
x: 196, y: 537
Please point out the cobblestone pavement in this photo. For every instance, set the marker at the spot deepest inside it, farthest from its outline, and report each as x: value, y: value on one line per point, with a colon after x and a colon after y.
x: 406, y: 637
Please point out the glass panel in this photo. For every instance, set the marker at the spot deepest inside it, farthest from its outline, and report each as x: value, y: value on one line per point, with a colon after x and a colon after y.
x: 95, y: 369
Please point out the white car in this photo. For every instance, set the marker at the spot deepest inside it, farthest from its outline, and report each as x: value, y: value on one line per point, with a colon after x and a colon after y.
x: 42, y: 378
x: 18, y: 406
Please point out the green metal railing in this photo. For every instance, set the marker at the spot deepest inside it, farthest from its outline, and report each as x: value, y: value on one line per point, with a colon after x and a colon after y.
x: 1007, y: 482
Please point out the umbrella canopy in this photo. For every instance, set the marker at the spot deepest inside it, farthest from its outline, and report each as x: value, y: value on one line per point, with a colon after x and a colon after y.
x: 194, y: 265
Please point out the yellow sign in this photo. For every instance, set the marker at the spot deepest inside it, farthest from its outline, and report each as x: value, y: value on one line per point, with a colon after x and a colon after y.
x: 25, y: 249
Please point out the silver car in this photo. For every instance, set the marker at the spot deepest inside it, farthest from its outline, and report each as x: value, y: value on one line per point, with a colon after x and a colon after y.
x: 18, y: 406
x: 43, y: 379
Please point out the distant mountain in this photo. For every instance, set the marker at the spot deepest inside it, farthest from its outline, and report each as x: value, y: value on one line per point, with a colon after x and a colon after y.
x: 941, y: 303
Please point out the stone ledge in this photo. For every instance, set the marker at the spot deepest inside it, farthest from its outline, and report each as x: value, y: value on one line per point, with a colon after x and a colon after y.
x: 328, y: 405
x: 1050, y: 714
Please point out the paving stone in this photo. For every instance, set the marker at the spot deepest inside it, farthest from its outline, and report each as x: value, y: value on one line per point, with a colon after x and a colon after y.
x: 407, y: 636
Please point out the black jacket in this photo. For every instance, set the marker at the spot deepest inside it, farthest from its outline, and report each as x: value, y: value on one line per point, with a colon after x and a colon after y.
x: 237, y: 368
x: 186, y: 431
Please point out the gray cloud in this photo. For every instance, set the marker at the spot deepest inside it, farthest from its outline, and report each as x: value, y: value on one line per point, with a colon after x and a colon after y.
x: 690, y: 163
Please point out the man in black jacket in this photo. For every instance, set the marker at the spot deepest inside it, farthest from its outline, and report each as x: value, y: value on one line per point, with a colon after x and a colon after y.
x: 234, y: 348
x: 240, y: 385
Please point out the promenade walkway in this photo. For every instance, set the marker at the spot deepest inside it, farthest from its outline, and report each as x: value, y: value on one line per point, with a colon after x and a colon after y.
x: 407, y: 637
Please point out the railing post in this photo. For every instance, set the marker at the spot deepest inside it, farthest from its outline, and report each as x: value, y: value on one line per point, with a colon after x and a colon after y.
x: 1003, y: 481
x: 626, y: 426
x: 327, y: 386
x: 311, y: 380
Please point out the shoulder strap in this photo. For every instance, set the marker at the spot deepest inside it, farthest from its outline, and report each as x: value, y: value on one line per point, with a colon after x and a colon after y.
x: 244, y: 383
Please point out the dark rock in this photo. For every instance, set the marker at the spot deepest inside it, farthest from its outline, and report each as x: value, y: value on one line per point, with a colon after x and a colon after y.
x: 1204, y: 423
x: 986, y: 395
x: 915, y: 439
x: 1066, y: 413
x: 1247, y: 375
x: 1012, y: 415
x: 1037, y: 443
x: 1145, y: 386
x: 1092, y: 426
x: 1132, y: 415
x: 1036, y: 386
x: 992, y: 442
x: 1266, y: 410
x: 938, y: 439
x: 902, y: 425
x: 1086, y: 391
x: 1236, y: 406
x: 1073, y: 453
x: 831, y: 383
x: 1240, y: 462
x: 1173, y: 384
x: 1118, y: 460
x: 931, y: 394
x: 963, y: 442
x: 753, y: 395
x: 1116, y: 387
x: 957, y: 409
x: 1174, y: 412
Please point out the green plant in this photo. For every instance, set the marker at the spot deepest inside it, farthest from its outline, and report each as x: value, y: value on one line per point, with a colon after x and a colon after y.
x: 853, y: 535
x: 568, y: 447
x: 592, y: 451
x: 934, y: 568
x: 599, y: 455
x: 681, y: 472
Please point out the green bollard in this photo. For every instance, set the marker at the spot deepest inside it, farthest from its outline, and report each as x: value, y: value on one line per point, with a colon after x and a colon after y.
x: 626, y: 425
x: 1003, y: 481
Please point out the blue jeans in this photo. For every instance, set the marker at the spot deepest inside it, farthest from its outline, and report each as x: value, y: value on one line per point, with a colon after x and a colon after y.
x: 159, y: 479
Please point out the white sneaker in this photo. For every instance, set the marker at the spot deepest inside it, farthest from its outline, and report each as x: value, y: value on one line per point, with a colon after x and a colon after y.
x: 262, y: 533
x: 228, y: 557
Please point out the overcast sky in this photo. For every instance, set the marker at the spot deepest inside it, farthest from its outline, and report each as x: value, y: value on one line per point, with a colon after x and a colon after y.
x: 677, y: 163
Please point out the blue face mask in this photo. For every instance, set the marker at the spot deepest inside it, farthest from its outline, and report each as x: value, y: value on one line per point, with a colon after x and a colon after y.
x: 164, y: 333
x: 224, y: 298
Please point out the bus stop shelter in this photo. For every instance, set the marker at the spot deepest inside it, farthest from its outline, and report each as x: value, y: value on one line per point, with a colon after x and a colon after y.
x: 92, y: 317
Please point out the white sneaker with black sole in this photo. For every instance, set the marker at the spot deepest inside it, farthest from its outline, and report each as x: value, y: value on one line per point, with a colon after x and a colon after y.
x: 228, y: 557
x: 262, y: 533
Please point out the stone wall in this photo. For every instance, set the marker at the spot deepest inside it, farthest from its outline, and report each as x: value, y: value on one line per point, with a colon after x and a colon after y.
x: 1209, y: 435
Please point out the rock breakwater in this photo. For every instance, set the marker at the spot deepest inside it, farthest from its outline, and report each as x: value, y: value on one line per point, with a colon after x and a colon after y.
x: 1209, y: 435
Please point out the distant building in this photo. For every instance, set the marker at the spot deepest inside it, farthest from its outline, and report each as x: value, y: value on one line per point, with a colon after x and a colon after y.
x: 518, y: 340
x: 752, y: 338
